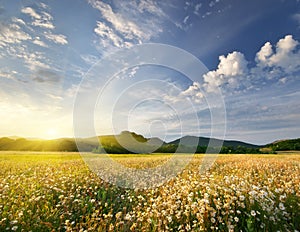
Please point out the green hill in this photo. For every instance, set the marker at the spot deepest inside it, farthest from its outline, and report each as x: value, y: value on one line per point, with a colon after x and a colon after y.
x: 285, y: 145
x: 130, y: 142
x: 22, y: 144
x: 203, y: 141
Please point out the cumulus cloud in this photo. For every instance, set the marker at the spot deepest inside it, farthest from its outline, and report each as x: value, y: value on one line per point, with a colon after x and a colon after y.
x: 194, y: 92
x: 273, y: 63
x: 286, y: 55
x: 229, y: 70
x: 264, y: 54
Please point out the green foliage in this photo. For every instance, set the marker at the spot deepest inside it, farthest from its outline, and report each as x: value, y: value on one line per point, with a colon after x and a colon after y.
x: 286, y: 145
x: 22, y: 144
x: 172, y: 148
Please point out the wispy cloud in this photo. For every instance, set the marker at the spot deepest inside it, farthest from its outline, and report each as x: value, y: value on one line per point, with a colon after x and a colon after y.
x: 56, y: 38
x: 128, y: 22
x: 42, y: 19
x: 296, y: 17
x: 7, y: 74
x: 12, y: 33
x: 31, y: 12
x: 197, y: 8
x: 47, y: 76
x: 108, y: 34
x: 39, y: 42
x: 129, y: 29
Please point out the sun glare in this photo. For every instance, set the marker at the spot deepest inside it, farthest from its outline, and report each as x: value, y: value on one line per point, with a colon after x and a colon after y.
x: 51, y: 133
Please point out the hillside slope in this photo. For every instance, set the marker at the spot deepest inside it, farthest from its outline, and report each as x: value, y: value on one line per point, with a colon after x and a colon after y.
x: 130, y: 142
x: 285, y: 145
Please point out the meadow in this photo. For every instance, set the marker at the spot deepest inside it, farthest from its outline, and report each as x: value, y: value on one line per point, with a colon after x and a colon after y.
x: 57, y: 192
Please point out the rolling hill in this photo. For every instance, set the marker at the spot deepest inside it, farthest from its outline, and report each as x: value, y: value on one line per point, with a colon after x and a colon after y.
x: 130, y: 142
x: 285, y: 145
x: 203, y: 141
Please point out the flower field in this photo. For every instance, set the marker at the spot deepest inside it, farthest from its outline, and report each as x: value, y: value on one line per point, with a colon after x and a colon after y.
x: 57, y: 192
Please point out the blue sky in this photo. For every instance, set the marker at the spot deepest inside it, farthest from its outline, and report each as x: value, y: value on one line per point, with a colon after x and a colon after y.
x: 250, y: 49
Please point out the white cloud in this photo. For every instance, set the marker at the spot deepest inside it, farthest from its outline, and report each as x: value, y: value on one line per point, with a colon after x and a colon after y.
x: 45, y: 21
x: 44, y: 24
x: 232, y: 65
x: 150, y: 7
x: 286, y: 56
x: 43, y: 5
x: 127, y: 23
x: 35, y: 60
x: 42, y: 19
x: 197, y: 8
x: 186, y: 19
x: 90, y: 59
x: 58, y: 39
x: 10, y: 34
x: 194, y: 92
x: 127, y: 28
x: 19, y: 21
x: 133, y: 71
x: 229, y: 70
x: 31, y: 12
x: 272, y: 66
x: 264, y: 54
x: 106, y: 32
x: 39, y: 42
x: 7, y: 74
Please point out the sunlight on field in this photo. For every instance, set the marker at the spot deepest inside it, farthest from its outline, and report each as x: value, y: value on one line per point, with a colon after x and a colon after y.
x: 56, y: 191
x: 141, y: 161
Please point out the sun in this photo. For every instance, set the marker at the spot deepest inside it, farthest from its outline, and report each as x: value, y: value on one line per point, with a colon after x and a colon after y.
x: 51, y: 133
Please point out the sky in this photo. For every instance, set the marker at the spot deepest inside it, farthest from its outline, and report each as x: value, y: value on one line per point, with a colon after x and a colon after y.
x: 250, y: 50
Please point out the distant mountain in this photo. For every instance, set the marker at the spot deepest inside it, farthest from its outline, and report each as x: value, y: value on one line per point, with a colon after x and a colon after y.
x: 126, y: 142
x: 203, y: 142
x: 130, y: 142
